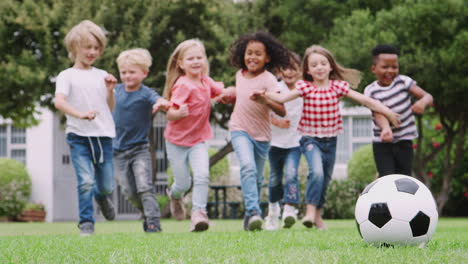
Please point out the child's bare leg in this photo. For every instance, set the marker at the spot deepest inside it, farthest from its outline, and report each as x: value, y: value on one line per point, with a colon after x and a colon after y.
x: 319, y: 223
x: 310, y: 215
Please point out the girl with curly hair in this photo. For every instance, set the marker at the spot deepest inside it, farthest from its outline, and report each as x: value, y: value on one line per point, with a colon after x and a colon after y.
x: 256, y: 55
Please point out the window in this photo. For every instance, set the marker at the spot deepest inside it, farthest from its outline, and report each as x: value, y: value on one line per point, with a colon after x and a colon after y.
x: 13, y: 142
x: 357, y: 133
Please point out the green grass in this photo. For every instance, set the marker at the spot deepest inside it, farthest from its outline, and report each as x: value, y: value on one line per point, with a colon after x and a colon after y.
x: 225, y: 242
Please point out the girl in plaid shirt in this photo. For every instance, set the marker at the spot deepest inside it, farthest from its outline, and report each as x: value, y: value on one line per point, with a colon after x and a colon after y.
x: 324, y: 83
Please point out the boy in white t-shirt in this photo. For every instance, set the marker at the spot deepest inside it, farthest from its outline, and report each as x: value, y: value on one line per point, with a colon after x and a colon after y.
x: 85, y: 95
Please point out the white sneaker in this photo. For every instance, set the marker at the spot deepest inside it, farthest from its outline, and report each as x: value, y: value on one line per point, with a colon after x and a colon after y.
x: 272, y: 220
x: 289, y: 216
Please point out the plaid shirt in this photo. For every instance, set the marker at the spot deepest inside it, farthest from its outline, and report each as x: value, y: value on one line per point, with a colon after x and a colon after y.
x: 321, y: 113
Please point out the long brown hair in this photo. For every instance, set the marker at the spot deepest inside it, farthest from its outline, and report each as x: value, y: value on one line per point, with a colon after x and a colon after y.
x: 352, y: 76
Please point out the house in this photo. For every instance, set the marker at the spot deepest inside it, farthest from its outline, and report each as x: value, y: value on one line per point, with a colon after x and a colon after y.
x: 46, y: 156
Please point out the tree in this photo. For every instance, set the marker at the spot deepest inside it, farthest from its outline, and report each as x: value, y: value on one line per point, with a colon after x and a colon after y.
x: 432, y: 37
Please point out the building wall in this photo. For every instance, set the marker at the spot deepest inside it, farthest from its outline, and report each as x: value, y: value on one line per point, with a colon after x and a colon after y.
x: 39, y: 161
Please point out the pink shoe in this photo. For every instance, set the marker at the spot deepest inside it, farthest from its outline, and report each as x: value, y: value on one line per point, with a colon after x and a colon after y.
x: 200, y: 221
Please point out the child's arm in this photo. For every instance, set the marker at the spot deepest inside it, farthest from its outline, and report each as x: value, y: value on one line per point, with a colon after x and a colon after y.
x: 386, y: 135
x: 375, y: 105
x: 110, y: 81
x: 60, y: 102
x: 424, y: 99
x: 161, y: 104
x: 283, y: 97
x: 262, y: 98
x: 174, y: 114
x: 281, y: 123
x: 228, y: 96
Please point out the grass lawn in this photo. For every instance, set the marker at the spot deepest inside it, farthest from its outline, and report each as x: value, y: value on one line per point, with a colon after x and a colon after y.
x: 225, y: 242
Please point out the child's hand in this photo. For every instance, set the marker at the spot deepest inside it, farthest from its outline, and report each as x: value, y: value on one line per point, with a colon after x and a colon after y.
x: 418, y: 107
x: 281, y: 123
x: 110, y: 81
x: 259, y: 97
x: 161, y: 104
x: 90, y: 115
x: 394, y: 118
x: 227, y: 97
x: 386, y: 135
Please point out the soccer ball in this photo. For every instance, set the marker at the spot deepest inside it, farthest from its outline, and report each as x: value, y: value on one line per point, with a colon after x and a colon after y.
x: 396, y: 209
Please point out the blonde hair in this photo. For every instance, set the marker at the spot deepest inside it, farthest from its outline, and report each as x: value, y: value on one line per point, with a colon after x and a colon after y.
x: 173, y: 71
x: 80, y: 33
x: 139, y: 57
x: 352, y: 76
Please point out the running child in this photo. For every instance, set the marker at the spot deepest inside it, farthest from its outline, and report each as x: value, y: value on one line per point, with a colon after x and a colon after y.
x: 324, y: 83
x: 255, y: 55
x: 393, y: 146
x: 135, y: 104
x: 190, y: 90
x: 84, y: 94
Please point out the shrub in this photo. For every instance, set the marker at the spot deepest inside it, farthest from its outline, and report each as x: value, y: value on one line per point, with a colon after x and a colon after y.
x: 361, y: 167
x: 341, y: 199
x: 15, y: 187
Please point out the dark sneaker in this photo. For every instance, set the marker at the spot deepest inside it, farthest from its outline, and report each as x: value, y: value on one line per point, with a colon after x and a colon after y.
x: 177, y: 207
x: 200, y: 221
x: 86, y: 228
x: 153, y: 228
x: 107, y: 208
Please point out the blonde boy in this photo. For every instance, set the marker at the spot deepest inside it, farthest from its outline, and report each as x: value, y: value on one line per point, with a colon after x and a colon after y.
x: 135, y: 104
x: 84, y: 94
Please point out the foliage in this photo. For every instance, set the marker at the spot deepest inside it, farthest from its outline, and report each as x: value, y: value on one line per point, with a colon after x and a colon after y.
x: 432, y: 37
x: 361, y: 166
x: 34, y: 206
x: 15, y: 187
x: 341, y: 198
x: 225, y: 242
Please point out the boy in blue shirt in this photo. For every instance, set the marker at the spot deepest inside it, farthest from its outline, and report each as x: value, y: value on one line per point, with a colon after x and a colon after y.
x: 135, y: 104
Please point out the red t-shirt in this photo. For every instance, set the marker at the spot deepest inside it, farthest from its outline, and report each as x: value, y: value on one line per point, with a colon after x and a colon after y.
x: 321, y: 113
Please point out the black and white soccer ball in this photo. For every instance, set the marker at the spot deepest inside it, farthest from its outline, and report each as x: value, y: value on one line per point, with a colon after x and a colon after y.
x: 396, y: 209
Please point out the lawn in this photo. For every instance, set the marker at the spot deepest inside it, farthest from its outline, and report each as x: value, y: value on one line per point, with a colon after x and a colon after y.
x: 225, y: 242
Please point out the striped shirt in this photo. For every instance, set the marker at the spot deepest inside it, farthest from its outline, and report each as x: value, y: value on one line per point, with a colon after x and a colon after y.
x: 397, y: 97
x: 321, y: 115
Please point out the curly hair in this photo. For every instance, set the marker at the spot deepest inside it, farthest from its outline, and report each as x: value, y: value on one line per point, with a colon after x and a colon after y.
x: 383, y: 49
x: 279, y: 55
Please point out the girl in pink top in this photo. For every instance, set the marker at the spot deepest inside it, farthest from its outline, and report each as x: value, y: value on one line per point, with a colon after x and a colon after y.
x: 190, y: 90
x: 255, y: 55
x: 323, y: 86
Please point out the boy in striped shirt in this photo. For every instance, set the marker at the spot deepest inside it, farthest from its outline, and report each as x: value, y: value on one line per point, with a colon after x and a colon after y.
x: 393, y: 151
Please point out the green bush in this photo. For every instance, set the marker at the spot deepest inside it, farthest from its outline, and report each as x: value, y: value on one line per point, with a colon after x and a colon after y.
x: 15, y: 187
x: 361, y: 167
x: 341, y: 199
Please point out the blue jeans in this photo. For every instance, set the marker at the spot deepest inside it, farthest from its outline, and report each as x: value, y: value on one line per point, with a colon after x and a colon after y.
x: 92, y: 160
x: 320, y: 154
x: 182, y: 159
x: 133, y: 172
x: 251, y: 155
x: 284, y: 162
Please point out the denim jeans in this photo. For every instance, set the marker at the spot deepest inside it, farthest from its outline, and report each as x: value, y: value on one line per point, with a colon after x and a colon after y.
x: 181, y: 160
x: 284, y: 162
x: 92, y: 160
x: 251, y: 155
x: 133, y: 173
x: 393, y: 158
x: 320, y: 154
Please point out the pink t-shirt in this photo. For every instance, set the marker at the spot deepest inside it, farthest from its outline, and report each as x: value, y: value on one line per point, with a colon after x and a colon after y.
x: 195, y: 127
x: 248, y: 115
x: 321, y: 115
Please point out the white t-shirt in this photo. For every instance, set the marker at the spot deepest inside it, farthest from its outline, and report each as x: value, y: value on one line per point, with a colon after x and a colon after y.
x: 287, y: 137
x: 86, y: 90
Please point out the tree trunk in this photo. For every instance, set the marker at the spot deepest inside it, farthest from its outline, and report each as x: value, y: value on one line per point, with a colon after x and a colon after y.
x: 221, y: 153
